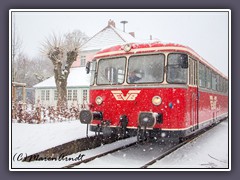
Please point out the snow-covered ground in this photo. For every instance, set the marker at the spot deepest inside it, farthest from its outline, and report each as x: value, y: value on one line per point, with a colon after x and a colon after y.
x: 210, y: 150
x: 33, y: 138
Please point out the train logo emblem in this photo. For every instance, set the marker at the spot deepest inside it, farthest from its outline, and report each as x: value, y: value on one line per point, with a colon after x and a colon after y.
x: 131, y: 95
x: 213, y: 102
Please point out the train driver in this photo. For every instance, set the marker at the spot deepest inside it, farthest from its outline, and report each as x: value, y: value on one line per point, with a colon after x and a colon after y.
x: 132, y: 77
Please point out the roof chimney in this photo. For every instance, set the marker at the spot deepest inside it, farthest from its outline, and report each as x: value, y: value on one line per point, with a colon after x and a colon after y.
x: 124, y: 22
x: 132, y: 34
x: 111, y: 23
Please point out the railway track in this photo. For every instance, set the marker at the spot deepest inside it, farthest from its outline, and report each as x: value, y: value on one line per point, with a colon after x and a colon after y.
x: 126, y: 149
x: 161, y: 156
x: 188, y: 140
x: 166, y: 150
x: 71, y: 147
x: 101, y: 155
x: 111, y: 154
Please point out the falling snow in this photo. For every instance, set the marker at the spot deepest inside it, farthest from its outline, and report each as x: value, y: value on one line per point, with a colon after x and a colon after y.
x: 210, y: 150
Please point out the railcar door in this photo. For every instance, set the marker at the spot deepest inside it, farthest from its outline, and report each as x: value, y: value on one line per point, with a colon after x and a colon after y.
x: 193, y: 88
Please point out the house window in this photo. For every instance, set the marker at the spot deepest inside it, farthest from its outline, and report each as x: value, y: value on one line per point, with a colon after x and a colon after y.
x: 47, y: 95
x: 69, y: 95
x: 82, y: 60
x: 85, y: 94
x: 55, y: 95
x: 42, y: 95
x: 74, y: 95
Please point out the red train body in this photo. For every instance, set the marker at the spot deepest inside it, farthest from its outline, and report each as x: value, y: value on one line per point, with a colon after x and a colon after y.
x: 164, y: 103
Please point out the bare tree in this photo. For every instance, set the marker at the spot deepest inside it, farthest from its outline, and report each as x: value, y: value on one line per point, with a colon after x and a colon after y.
x: 40, y: 69
x: 24, y: 69
x: 31, y: 71
x: 20, y: 65
x: 63, y: 51
x: 16, y: 46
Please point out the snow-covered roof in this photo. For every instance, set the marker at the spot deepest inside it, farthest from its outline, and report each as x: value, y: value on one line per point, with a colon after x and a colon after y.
x: 109, y: 36
x: 77, y: 78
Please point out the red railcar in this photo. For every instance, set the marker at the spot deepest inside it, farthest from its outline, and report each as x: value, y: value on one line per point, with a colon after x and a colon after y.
x: 154, y: 87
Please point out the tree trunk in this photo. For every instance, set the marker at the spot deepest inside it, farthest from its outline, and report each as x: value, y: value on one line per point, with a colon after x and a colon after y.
x: 61, y: 76
x: 62, y: 94
x: 61, y: 84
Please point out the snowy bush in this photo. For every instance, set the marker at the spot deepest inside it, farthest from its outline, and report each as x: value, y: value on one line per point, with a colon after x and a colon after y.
x: 40, y: 114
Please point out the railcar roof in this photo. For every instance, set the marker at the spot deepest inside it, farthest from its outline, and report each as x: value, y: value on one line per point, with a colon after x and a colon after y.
x: 153, y: 47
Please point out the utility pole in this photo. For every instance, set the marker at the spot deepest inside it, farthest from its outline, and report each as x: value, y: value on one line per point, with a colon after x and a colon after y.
x: 124, y: 22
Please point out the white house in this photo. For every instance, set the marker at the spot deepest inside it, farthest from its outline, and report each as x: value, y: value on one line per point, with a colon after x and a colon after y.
x: 78, y: 80
x: 77, y: 88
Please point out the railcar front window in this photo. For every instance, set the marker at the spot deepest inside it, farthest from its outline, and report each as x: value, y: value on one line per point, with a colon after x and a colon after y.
x: 111, y: 71
x: 175, y: 72
x: 146, y: 69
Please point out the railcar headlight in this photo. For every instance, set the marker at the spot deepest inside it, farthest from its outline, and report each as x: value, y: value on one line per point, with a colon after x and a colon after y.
x: 156, y: 100
x: 98, y: 100
x: 127, y: 47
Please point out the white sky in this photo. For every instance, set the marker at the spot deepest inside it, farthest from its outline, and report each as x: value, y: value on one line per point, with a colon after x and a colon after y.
x: 204, y: 32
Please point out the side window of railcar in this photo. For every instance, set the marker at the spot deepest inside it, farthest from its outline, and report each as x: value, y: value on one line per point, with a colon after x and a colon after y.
x: 222, y: 84
x: 146, y: 69
x: 218, y: 82
x: 176, y: 73
x: 202, y: 75
x: 226, y: 83
x: 208, y: 78
x: 111, y: 71
x: 192, y: 72
x: 214, y: 81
